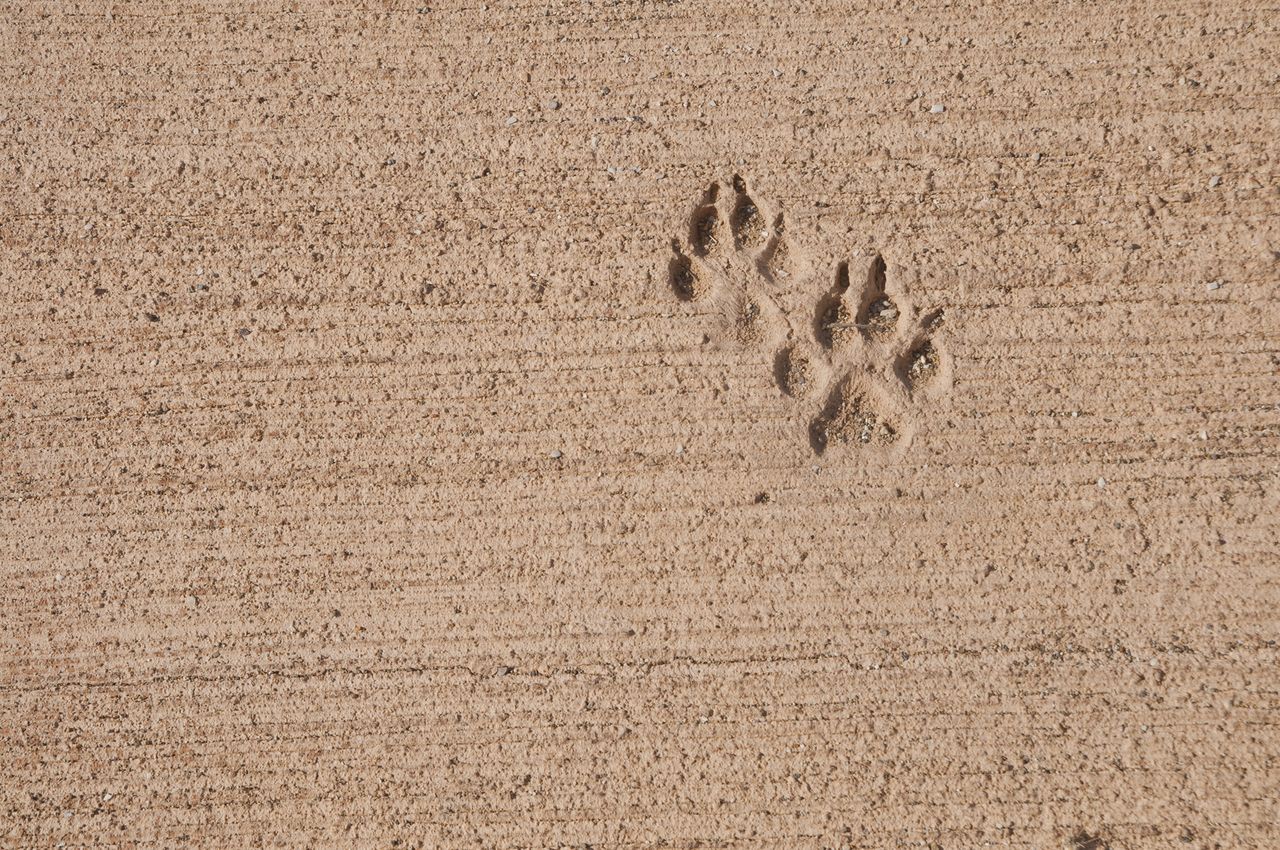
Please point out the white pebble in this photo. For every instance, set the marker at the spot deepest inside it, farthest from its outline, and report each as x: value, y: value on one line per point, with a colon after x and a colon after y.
x: 1102, y: 482
x: 937, y: 109
x: 511, y: 120
x: 1215, y: 181
x: 1213, y: 285
x: 556, y: 454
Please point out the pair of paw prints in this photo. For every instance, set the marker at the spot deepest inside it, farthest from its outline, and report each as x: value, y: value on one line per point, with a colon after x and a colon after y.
x: 861, y: 363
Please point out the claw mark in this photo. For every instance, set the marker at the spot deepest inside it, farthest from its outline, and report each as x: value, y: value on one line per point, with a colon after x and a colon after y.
x: 834, y: 322
x: 1083, y: 840
x: 746, y: 221
x: 879, y: 315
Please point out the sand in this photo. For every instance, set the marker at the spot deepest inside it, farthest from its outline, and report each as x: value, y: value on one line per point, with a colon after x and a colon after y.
x: 638, y: 425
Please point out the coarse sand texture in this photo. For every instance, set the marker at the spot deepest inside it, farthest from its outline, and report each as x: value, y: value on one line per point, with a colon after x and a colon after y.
x: 640, y: 424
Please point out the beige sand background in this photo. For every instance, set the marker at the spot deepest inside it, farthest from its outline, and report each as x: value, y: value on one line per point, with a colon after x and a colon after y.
x: 366, y: 483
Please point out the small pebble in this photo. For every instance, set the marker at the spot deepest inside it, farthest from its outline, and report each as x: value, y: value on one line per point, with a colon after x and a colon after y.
x: 244, y: 332
x: 551, y: 105
x: 904, y: 41
x: 937, y: 109
x: 511, y: 120
x: 1213, y: 285
x: 1102, y: 482
x: 1215, y: 181
x: 556, y: 454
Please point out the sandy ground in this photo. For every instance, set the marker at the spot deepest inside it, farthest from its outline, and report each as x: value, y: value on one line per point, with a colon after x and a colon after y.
x: 640, y: 424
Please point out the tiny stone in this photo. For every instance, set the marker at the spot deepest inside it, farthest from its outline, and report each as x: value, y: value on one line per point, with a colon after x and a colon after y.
x: 1035, y: 157
x: 1102, y: 482
x: 511, y: 120
x: 1213, y: 285
x: 680, y: 449
x: 904, y: 41
x: 244, y: 332
x: 1215, y: 181
x: 556, y: 454
x: 937, y: 109
x: 552, y: 104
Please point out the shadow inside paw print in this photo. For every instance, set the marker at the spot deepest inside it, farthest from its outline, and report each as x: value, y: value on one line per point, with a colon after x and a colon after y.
x: 858, y: 362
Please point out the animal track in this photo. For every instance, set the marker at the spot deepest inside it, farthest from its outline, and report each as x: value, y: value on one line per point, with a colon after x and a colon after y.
x: 861, y: 362
x: 733, y: 258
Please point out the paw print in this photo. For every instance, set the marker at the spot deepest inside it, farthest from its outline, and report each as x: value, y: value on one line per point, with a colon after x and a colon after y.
x: 734, y: 256
x: 886, y: 360
x: 859, y: 363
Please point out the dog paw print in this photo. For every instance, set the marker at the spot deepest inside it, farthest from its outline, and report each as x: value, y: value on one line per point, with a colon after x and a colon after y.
x: 886, y: 359
x: 860, y: 364
x: 734, y: 256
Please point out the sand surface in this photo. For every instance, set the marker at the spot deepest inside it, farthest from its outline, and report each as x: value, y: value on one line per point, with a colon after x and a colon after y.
x: 640, y: 424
